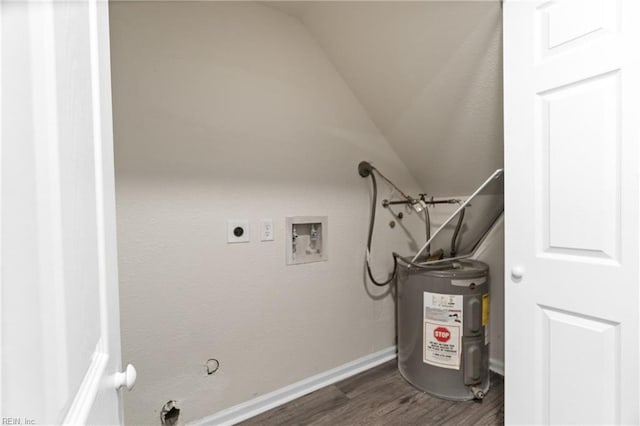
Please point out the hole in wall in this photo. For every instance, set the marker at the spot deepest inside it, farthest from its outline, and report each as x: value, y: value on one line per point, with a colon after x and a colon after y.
x: 169, y: 413
x: 211, y: 366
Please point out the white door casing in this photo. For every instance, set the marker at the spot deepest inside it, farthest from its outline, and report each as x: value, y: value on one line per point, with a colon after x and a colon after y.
x: 59, y: 292
x: 572, y: 121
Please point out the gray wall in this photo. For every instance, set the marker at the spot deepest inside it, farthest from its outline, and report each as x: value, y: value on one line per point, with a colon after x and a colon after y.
x: 232, y: 110
x: 429, y: 73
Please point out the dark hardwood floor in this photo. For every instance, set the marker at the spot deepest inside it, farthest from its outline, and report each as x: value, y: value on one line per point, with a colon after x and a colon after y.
x: 381, y: 396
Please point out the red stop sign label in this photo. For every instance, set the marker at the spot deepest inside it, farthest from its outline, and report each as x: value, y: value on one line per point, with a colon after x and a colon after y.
x: 441, y: 334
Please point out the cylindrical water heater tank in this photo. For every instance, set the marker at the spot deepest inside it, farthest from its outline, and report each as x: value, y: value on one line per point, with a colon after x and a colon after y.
x: 443, y: 336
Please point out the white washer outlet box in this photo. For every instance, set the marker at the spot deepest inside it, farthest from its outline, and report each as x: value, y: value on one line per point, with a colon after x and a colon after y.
x: 238, y: 231
x: 306, y: 239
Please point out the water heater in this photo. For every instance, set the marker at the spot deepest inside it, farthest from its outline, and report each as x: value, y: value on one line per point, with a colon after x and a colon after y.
x: 443, y: 335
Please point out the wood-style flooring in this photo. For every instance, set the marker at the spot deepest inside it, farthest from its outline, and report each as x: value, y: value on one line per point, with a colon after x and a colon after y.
x: 381, y: 396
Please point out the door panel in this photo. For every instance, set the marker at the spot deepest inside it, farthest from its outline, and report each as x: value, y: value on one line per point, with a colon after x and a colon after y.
x: 60, y: 326
x: 561, y: 26
x: 570, y: 342
x: 77, y: 185
x: 572, y: 97
x: 579, y: 138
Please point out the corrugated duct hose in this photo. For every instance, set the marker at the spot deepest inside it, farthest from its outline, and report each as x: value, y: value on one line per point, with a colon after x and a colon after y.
x: 365, y: 169
x: 456, y: 232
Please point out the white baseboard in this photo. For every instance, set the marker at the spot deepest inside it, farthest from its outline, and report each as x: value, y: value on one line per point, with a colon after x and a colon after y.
x: 253, y: 407
x: 497, y: 366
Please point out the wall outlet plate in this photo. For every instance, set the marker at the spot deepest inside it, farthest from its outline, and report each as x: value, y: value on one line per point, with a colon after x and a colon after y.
x: 266, y: 230
x: 238, y: 231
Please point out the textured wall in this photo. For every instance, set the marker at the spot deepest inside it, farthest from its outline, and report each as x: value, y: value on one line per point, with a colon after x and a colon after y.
x: 233, y: 111
x: 430, y: 75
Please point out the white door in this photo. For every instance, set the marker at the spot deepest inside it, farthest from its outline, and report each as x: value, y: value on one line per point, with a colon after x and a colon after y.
x: 59, y: 293
x: 572, y: 121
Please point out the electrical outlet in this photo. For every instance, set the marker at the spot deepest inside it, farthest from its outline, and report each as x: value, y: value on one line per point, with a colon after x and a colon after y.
x: 238, y: 231
x: 266, y: 230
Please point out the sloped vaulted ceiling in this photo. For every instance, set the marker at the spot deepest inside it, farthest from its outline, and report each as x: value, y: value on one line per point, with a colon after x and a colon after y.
x: 430, y: 75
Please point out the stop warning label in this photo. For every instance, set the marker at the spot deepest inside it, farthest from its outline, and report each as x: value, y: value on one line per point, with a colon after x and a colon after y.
x: 442, y: 328
x: 442, y: 345
x: 442, y: 334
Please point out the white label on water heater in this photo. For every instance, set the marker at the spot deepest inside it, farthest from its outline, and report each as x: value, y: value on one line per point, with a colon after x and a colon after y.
x: 442, y: 330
